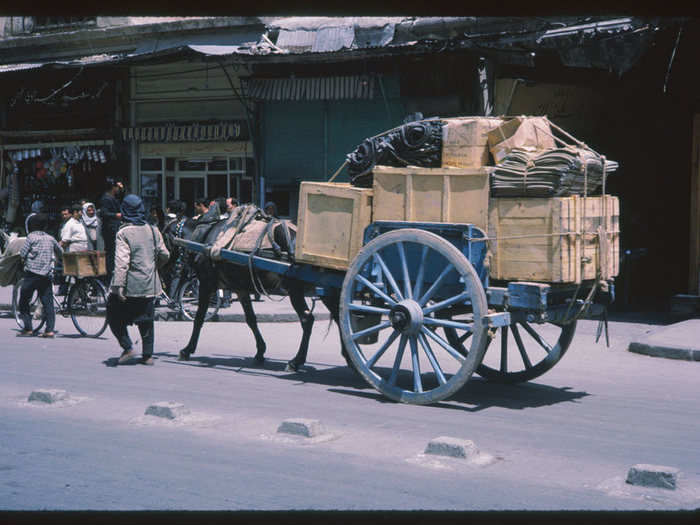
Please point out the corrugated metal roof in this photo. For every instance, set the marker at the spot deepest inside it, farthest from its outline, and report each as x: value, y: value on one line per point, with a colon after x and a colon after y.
x: 18, y: 67
x: 319, y: 88
x: 296, y: 41
x: 374, y: 36
x: 333, y: 39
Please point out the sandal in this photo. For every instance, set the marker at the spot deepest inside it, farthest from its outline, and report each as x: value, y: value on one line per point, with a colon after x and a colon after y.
x: 49, y: 335
x: 25, y: 333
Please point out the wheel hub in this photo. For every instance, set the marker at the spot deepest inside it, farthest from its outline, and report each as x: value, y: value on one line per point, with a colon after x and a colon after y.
x: 407, y: 317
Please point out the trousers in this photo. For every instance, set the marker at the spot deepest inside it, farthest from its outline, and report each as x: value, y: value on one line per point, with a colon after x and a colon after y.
x: 135, y: 310
x: 43, y: 286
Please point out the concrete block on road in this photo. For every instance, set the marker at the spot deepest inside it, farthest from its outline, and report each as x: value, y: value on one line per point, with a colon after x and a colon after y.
x: 302, y: 427
x: 167, y: 409
x: 656, y: 476
x: 48, y: 396
x: 453, y: 447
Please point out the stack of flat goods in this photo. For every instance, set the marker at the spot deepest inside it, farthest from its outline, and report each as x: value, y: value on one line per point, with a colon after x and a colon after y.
x: 552, y: 172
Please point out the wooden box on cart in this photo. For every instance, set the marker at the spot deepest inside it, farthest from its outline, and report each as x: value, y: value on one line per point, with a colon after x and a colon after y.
x: 546, y: 239
x: 87, y: 263
x: 454, y: 195
x: 332, y: 220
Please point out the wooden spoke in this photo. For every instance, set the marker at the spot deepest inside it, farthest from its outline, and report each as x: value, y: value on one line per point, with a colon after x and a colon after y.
x: 372, y: 361
x: 417, y: 382
x: 404, y: 267
x: 371, y: 330
x: 536, y: 337
x: 368, y: 309
x: 446, y: 322
x: 376, y: 290
x: 460, y: 298
x: 521, y: 347
x: 436, y: 284
x: 504, y: 349
x: 439, y: 340
x: 388, y: 276
x: 397, y: 361
x: 421, y: 273
x: 431, y: 357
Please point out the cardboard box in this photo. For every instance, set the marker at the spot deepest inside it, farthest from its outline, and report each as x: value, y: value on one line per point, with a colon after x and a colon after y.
x: 546, y: 239
x: 532, y: 133
x: 87, y: 263
x: 465, y: 141
x: 454, y: 195
x: 332, y: 220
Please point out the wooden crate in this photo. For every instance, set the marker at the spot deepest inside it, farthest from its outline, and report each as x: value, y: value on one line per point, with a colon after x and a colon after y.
x: 465, y: 141
x: 455, y: 195
x: 87, y: 263
x: 332, y: 221
x: 544, y: 239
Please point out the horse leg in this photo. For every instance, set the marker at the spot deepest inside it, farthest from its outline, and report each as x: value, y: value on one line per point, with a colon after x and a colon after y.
x: 252, y: 322
x: 296, y: 296
x: 206, y: 289
x: 332, y: 303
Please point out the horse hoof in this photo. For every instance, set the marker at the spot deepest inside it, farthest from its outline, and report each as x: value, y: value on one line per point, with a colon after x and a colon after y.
x: 184, y: 356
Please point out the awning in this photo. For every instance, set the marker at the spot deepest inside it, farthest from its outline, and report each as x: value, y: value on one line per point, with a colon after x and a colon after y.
x: 320, y: 88
x: 184, y: 133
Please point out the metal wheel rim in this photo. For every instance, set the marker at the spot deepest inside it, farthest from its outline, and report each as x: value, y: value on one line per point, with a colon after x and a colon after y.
x: 519, y: 364
x: 189, y: 294
x: 394, y: 344
x: 39, y: 324
x: 89, y: 315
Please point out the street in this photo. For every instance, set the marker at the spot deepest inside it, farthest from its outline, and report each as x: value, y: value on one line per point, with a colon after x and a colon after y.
x: 564, y: 441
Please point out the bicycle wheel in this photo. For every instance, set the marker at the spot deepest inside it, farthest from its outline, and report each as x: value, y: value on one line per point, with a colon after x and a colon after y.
x: 34, y: 302
x: 87, y: 304
x: 188, y: 299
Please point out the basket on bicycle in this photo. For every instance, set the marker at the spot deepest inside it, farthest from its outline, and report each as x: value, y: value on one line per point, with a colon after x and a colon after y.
x: 89, y: 263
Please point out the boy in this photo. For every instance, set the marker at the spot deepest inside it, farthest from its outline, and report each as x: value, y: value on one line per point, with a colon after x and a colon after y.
x: 37, y: 254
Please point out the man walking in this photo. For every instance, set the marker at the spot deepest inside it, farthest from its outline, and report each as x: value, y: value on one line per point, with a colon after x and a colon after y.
x: 37, y: 255
x: 111, y: 218
x: 139, y: 252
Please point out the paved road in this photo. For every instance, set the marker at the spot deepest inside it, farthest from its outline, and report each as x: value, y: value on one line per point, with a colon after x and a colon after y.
x: 563, y: 441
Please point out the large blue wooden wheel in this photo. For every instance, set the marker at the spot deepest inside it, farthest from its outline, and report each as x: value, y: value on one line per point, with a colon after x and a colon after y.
x: 392, y: 303
x: 519, y: 352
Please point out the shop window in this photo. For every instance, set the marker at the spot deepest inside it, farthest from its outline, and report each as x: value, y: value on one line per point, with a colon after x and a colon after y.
x: 245, y: 190
x: 192, y: 165
x: 216, y: 186
x: 218, y: 164
x: 151, y: 164
x: 169, y: 189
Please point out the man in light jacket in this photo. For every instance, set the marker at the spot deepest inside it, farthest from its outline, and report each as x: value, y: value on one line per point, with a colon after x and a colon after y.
x: 139, y: 252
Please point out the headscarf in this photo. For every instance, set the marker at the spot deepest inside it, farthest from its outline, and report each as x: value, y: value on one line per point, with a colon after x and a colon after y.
x: 133, y: 210
x: 272, y: 205
x: 90, y: 222
x: 37, y: 206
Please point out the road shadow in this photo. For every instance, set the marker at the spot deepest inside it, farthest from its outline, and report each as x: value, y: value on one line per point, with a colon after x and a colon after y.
x: 479, y: 394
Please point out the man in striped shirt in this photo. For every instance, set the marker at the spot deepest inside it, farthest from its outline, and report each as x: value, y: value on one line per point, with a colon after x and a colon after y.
x: 37, y: 255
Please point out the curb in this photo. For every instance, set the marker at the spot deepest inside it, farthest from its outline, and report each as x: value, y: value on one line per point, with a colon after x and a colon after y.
x: 669, y: 352
x: 226, y: 318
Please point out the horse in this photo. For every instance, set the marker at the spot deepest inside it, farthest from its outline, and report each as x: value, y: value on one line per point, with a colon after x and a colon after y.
x: 213, y: 275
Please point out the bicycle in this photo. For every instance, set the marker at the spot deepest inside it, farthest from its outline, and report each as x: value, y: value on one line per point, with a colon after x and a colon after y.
x: 85, y: 302
x: 187, y: 298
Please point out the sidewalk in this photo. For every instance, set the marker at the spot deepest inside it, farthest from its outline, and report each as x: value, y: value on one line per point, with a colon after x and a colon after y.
x: 267, y: 310
x: 680, y: 340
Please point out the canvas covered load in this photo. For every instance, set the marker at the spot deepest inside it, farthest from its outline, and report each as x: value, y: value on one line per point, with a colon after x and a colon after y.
x: 250, y: 230
x: 10, y: 261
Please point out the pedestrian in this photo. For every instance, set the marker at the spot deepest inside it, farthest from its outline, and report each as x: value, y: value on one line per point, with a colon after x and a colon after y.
x: 271, y: 209
x: 58, y: 277
x: 139, y: 253
x: 201, y: 207
x: 93, y: 227
x: 37, y: 207
x: 37, y: 256
x: 111, y: 218
x: 231, y: 204
x: 156, y: 217
x: 74, y: 237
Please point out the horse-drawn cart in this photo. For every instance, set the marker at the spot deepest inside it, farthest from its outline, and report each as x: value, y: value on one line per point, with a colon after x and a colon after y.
x: 423, y: 297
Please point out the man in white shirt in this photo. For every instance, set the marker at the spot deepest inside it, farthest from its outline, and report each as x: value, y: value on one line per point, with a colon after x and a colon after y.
x: 73, y: 234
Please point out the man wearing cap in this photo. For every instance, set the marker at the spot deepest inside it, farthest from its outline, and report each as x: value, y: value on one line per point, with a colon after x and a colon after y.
x: 139, y: 252
x: 111, y: 218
